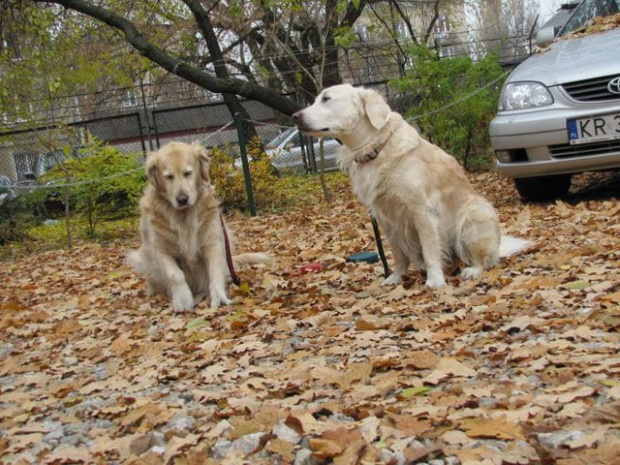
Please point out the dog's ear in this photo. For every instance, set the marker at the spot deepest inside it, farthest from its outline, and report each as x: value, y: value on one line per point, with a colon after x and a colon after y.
x: 151, y: 168
x: 203, y: 160
x: 376, y: 107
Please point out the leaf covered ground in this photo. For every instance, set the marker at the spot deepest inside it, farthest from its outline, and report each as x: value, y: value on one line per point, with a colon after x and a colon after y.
x: 315, y: 362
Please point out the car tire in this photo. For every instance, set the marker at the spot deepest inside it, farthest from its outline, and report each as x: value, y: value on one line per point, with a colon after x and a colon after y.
x: 543, y: 188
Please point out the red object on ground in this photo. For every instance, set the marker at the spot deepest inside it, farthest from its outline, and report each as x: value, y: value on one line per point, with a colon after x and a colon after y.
x: 310, y: 268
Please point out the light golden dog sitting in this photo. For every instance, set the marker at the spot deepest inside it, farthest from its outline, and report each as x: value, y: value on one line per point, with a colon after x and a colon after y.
x: 183, y: 249
x: 418, y: 193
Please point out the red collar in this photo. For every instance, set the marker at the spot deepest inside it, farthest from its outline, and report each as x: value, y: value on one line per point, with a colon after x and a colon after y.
x: 374, y: 153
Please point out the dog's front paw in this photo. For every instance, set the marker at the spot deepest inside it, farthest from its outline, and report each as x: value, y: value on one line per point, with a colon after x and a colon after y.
x: 218, y: 296
x: 394, y: 278
x: 217, y: 301
x: 182, y: 300
x: 435, y: 280
x: 471, y: 272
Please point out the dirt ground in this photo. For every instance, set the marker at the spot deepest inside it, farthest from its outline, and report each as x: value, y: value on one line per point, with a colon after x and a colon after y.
x: 314, y: 362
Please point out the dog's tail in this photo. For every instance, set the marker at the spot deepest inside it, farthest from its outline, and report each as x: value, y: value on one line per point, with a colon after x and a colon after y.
x: 510, y: 245
x: 251, y: 259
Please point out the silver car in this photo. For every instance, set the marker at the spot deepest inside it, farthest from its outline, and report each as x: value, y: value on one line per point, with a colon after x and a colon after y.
x: 559, y: 110
x: 289, y: 152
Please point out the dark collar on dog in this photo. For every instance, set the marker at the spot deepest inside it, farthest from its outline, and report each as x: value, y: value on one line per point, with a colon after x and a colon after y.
x: 374, y: 153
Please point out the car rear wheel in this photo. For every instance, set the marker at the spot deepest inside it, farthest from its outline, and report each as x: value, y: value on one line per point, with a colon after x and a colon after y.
x: 543, y: 188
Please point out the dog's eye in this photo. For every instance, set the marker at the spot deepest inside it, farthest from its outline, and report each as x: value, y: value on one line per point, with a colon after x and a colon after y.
x: 169, y: 176
x: 187, y: 174
x: 325, y: 99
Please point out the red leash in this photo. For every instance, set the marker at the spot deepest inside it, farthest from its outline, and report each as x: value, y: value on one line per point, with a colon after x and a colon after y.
x: 229, y: 260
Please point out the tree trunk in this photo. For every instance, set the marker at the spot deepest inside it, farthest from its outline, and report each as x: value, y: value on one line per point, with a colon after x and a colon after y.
x: 68, y: 213
x: 219, y: 64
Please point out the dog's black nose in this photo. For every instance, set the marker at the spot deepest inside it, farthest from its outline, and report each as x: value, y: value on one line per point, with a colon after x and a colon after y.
x: 182, y: 199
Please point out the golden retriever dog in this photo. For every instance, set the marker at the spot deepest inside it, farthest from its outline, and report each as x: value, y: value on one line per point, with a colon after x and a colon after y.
x: 183, y: 250
x: 419, y: 194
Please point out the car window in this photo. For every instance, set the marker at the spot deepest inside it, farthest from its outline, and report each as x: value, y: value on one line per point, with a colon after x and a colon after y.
x: 280, y: 138
x: 296, y: 141
x: 587, y: 10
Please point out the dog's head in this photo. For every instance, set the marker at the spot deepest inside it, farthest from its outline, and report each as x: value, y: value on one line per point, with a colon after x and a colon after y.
x: 178, y: 171
x: 339, y: 110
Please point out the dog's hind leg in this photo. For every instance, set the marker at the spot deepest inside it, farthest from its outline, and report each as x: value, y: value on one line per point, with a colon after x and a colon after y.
x: 431, y: 249
x: 477, y: 241
x: 141, y: 261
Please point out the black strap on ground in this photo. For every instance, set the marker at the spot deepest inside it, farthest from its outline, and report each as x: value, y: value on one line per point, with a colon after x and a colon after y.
x: 375, y: 228
x: 229, y: 260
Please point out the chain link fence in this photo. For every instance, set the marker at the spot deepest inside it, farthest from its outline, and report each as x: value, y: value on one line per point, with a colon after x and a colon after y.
x: 48, y: 172
x: 39, y: 181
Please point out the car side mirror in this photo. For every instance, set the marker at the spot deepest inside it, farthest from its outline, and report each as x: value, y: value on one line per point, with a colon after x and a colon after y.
x: 546, y: 35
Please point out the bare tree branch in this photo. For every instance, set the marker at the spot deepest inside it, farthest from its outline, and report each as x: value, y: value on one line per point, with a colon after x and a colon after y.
x: 212, y: 83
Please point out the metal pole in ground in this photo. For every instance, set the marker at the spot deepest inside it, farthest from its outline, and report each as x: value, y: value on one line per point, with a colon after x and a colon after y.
x: 246, y: 166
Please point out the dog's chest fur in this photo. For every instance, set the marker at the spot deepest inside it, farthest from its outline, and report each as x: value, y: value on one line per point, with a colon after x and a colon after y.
x: 366, y: 184
x: 185, y: 231
x: 188, y: 236
x: 390, y: 190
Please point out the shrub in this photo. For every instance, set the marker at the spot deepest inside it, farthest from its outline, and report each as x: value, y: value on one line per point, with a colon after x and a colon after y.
x: 269, y: 191
x: 461, y: 129
x: 13, y: 219
x: 104, y: 182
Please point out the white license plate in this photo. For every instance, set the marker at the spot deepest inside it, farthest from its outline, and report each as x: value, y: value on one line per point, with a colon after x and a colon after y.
x: 593, y: 129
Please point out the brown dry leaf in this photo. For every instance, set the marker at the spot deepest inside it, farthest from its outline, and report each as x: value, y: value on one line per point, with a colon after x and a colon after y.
x: 531, y: 345
x: 410, y: 426
x: 418, y: 454
x: 572, y: 391
x: 476, y: 456
x: 421, y: 359
x: 588, y: 440
x: 354, y: 373
x: 244, y: 427
x: 333, y: 443
x: 455, y: 437
x: 455, y: 368
x: 572, y: 410
x: 522, y: 322
x: 284, y: 449
x: 325, y: 449
x: 614, y: 392
x: 606, y: 454
x: 303, y: 423
x: 152, y: 414
x: 69, y: 454
x: 353, y: 454
x: 370, y: 324
x: 178, y: 445
x: 498, y: 428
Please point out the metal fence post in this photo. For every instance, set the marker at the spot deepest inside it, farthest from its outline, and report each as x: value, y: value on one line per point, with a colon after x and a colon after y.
x: 244, y: 162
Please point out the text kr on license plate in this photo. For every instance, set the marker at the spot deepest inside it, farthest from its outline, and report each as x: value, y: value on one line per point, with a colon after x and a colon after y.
x: 593, y: 129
